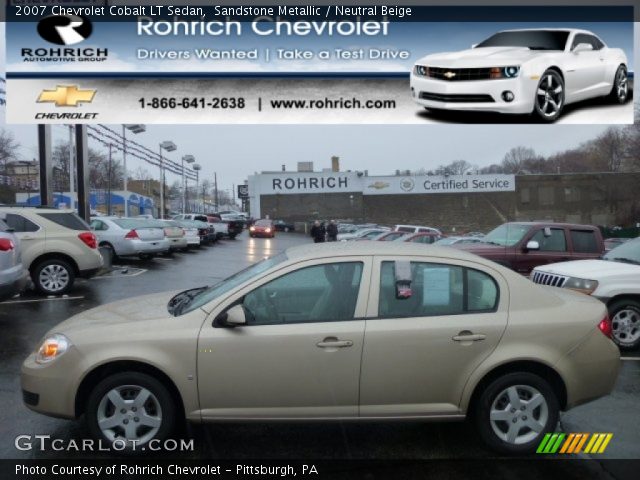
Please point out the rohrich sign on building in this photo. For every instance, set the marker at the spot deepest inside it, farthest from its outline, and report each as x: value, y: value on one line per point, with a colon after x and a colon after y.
x: 298, y: 183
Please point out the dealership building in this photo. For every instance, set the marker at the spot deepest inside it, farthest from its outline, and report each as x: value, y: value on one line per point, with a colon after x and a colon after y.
x: 456, y: 203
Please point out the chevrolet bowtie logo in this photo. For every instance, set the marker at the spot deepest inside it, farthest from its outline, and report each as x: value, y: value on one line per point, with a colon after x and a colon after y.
x: 66, y: 96
x: 450, y: 74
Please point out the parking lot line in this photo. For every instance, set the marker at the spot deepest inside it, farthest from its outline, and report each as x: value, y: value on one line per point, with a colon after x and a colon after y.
x: 139, y: 271
x: 47, y: 299
x: 631, y: 359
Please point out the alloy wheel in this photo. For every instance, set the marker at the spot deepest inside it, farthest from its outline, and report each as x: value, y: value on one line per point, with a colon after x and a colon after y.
x: 519, y: 414
x: 626, y: 326
x: 54, y: 278
x: 550, y: 96
x: 129, y: 413
x: 621, y: 84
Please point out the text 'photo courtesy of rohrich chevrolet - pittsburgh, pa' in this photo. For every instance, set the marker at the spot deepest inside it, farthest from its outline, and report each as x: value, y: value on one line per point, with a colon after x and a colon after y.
x: 328, y: 240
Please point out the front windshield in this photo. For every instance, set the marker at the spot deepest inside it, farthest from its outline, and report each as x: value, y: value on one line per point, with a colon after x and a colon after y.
x: 506, y: 235
x: 211, y: 293
x: 532, y: 39
x: 627, y: 252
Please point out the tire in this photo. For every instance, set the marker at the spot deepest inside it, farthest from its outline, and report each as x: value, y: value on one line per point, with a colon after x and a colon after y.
x: 625, y: 320
x: 620, y: 88
x: 145, y: 256
x: 155, y: 419
x: 495, y: 396
x: 548, y: 101
x: 53, y: 277
x: 112, y: 251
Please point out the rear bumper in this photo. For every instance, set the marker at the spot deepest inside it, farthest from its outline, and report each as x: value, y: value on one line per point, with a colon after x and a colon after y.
x: 178, y: 243
x: 15, y: 284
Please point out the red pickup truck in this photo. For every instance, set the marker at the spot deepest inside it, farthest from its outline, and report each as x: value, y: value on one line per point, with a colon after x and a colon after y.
x: 522, y: 246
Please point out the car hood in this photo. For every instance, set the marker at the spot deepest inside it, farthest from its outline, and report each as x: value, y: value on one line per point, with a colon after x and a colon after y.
x: 148, y: 307
x: 482, y: 248
x: 480, y: 57
x: 591, y: 269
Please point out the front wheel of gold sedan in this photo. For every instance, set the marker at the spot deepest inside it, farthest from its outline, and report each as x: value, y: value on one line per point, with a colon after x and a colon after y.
x: 128, y: 410
x: 515, y: 411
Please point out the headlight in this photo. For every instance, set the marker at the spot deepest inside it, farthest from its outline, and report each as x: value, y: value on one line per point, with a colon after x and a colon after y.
x: 421, y: 70
x: 52, y: 347
x: 581, y: 285
x: 511, y: 71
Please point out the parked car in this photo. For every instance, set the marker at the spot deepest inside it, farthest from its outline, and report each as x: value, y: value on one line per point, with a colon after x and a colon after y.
x: 611, y: 243
x: 389, y: 236
x: 364, y: 234
x: 235, y: 224
x: 347, y: 228
x: 194, y: 232
x: 220, y: 228
x: 282, y: 226
x: 533, y: 71
x: 262, y: 228
x: 131, y: 237
x: 57, y: 246
x: 522, y: 246
x: 448, y: 241
x: 615, y: 279
x: 415, y: 229
x: 13, y: 275
x: 421, y: 237
x: 174, y: 233
x: 401, y: 332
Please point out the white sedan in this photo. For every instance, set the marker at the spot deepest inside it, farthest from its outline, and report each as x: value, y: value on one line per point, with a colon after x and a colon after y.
x: 522, y: 72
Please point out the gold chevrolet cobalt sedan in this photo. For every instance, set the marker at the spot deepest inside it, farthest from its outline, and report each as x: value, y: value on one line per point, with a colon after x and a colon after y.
x: 351, y: 331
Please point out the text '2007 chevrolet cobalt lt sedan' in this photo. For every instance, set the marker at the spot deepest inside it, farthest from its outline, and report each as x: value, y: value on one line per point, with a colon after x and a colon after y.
x: 348, y: 331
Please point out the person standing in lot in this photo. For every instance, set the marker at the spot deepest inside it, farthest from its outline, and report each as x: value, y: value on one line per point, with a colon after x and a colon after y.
x: 318, y: 232
x: 332, y: 231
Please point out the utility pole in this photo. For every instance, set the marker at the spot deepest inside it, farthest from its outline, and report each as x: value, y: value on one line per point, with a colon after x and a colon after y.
x: 215, y: 186
x: 109, y: 183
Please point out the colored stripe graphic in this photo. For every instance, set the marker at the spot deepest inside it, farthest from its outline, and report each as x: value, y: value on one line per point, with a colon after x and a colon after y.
x: 574, y: 442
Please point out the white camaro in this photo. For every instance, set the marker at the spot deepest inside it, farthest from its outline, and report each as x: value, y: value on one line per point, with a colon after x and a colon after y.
x: 522, y: 71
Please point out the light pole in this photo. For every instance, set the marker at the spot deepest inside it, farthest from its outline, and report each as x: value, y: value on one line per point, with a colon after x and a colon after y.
x: 169, y: 147
x: 134, y: 128
x: 196, y: 167
x: 188, y: 159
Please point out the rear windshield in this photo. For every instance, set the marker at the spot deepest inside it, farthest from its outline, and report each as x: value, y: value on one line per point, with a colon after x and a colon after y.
x: 67, y: 219
x: 532, y: 39
x: 137, y: 223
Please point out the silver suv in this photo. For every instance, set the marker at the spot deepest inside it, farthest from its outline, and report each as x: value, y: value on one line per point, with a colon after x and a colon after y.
x: 13, y: 276
x: 57, y: 246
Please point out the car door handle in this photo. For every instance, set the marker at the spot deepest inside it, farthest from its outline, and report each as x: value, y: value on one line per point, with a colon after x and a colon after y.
x: 467, y: 336
x: 333, y: 342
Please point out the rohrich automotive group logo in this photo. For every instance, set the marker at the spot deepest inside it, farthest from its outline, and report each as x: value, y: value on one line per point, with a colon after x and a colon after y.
x: 65, y: 30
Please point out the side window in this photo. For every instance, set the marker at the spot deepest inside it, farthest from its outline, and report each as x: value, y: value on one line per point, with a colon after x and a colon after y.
x: 20, y: 223
x: 584, y: 241
x: 556, y: 242
x: 437, y: 290
x: 322, y: 293
x: 98, y: 225
x: 482, y: 292
x: 595, y: 41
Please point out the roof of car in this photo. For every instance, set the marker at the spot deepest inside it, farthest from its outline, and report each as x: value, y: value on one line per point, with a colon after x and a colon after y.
x: 337, y: 249
x: 577, y: 30
x: 19, y: 208
x: 554, y: 224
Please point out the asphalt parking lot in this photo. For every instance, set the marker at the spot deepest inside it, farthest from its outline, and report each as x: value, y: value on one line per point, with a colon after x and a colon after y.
x: 24, y: 321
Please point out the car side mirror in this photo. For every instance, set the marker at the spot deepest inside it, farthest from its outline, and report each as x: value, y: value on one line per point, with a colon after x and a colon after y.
x: 403, y: 280
x: 582, y: 47
x: 234, y: 317
x: 532, y: 245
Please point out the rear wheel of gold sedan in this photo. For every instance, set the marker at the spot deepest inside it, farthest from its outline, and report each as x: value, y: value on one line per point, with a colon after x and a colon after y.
x: 515, y: 411
x: 128, y: 410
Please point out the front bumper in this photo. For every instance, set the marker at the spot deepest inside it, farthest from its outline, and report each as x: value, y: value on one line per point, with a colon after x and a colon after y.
x: 475, y: 95
x: 50, y: 389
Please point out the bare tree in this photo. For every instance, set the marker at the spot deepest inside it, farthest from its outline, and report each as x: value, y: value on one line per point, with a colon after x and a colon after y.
x: 141, y: 173
x: 8, y: 148
x: 516, y: 159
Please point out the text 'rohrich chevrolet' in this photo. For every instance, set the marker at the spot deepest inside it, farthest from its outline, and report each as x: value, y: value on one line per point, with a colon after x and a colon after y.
x: 522, y: 72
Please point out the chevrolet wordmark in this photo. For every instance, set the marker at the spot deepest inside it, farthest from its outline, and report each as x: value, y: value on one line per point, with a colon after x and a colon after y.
x: 343, y: 331
x: 522, y: 72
